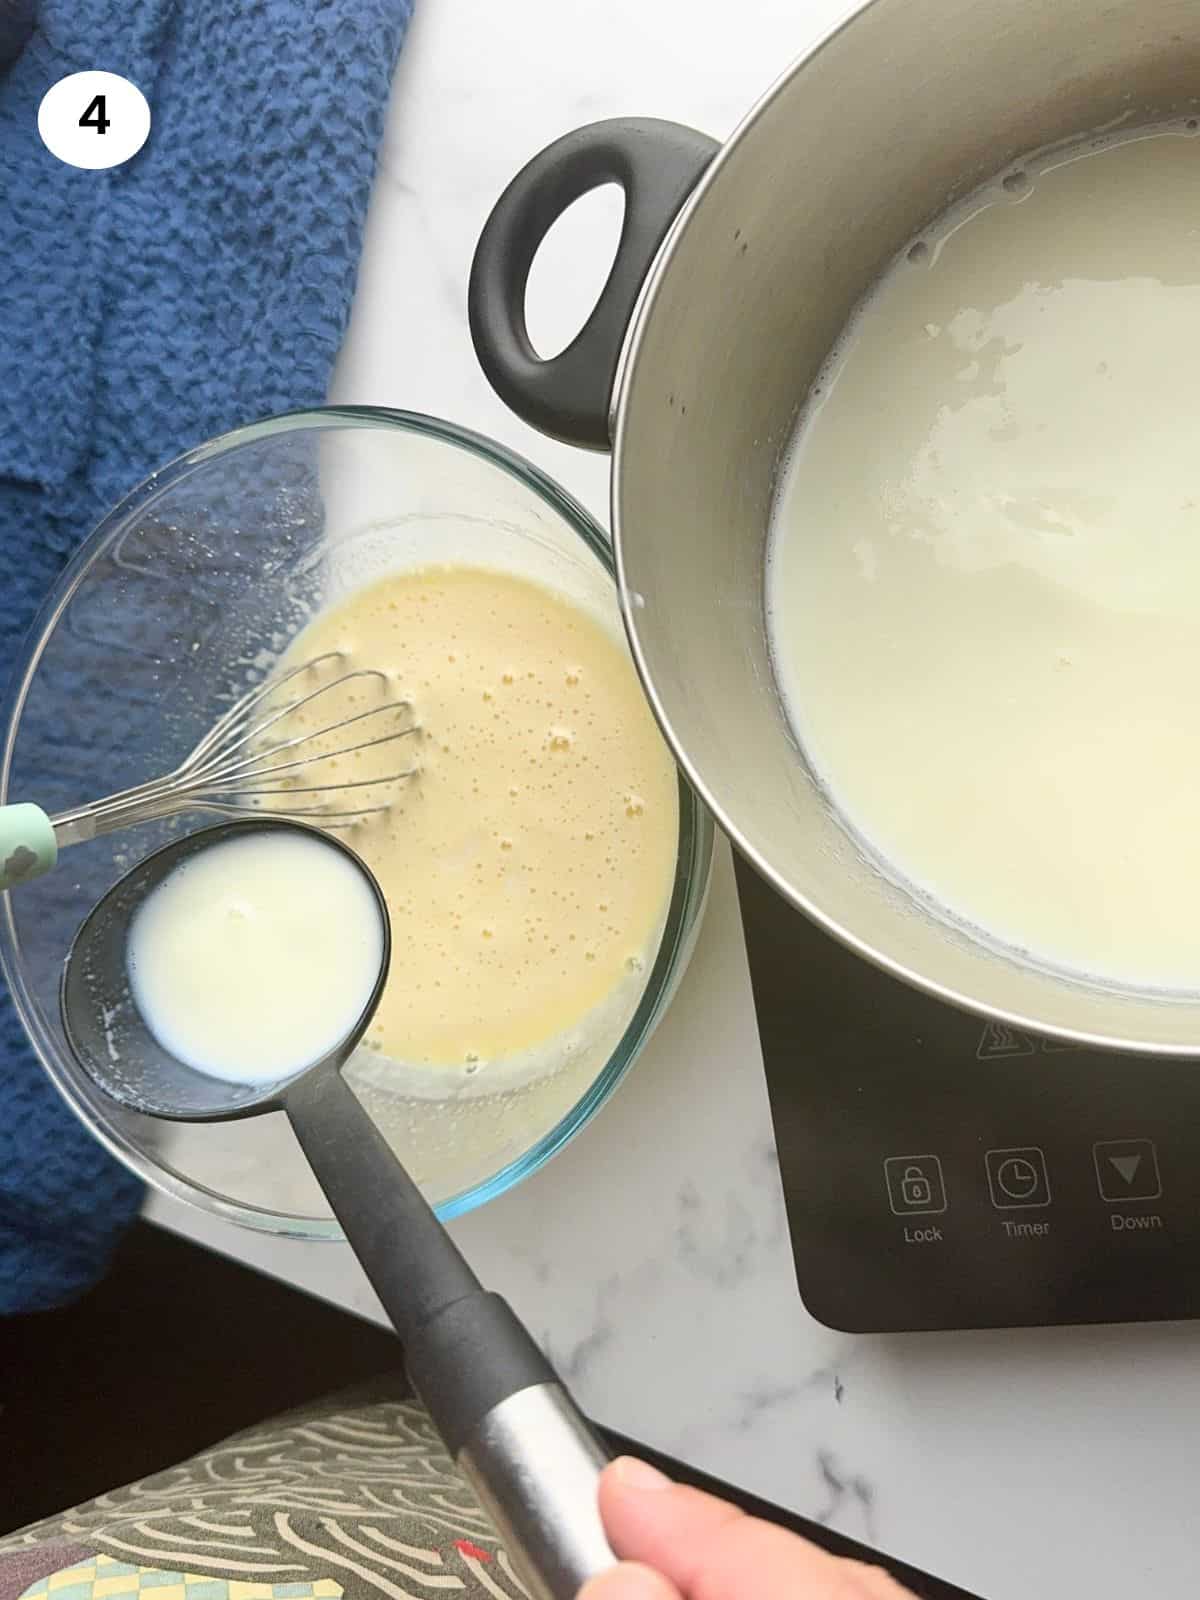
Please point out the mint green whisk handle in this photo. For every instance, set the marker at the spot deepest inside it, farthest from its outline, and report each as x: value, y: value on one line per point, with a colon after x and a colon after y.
x: 27, y: 844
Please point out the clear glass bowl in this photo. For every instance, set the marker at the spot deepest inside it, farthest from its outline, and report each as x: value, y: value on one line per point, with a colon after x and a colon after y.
x: 184, y: 595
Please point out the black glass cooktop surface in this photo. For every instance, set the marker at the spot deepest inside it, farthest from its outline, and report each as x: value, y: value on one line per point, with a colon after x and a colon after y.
x: 944, y: 1172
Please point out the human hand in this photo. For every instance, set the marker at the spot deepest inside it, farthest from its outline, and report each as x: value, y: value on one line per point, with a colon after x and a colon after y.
x: 677, y: 1543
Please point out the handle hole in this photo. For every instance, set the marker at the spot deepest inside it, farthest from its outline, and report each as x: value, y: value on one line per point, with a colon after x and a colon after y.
x: 571, y: 267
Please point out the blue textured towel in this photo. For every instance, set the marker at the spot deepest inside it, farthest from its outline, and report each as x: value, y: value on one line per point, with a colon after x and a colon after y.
x: 204, y: 284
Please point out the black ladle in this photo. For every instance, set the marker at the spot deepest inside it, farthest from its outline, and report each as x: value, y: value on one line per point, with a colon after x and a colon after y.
x: 498, y: 1404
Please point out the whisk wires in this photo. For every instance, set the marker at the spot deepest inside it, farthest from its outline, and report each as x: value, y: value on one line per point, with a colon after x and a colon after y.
x: 240, y: 767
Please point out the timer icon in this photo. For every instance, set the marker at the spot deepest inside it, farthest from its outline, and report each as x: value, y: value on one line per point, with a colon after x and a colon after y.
x: 1018, y: 1178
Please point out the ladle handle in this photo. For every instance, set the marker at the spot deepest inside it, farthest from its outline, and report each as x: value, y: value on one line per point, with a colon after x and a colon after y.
x: 530, y: 1454
x: 535, y: 1465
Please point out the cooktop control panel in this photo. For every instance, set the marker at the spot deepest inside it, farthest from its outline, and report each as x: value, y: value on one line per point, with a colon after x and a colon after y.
x: 944, y: 1172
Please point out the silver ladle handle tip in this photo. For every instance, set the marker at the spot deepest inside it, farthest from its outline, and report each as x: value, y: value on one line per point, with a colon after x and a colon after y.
x: 535, y: 1465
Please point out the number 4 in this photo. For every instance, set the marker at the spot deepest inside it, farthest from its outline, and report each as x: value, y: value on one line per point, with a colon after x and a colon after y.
x: 94, y: 116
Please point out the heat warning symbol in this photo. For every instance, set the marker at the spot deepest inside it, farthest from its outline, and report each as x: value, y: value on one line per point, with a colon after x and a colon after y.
x: 999, y: 1042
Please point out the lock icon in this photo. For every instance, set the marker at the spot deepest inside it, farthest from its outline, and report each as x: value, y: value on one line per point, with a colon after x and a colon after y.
x: 915, y: 1185
x: 914, y: 1188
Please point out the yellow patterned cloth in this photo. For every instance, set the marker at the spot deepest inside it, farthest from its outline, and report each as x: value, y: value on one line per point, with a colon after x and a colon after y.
x: 103, y: 1576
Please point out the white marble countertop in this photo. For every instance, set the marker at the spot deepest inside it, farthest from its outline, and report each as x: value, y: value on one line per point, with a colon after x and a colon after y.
x: 652, y: 1254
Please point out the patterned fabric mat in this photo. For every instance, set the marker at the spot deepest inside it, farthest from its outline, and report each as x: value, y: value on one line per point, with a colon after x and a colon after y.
x: 354, y: 1498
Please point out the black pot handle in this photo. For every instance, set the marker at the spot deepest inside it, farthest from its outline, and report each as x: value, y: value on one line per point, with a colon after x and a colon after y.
x: 657, y: 165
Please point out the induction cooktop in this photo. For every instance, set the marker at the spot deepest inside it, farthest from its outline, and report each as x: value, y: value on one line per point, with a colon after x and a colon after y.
x: 941, y: 1171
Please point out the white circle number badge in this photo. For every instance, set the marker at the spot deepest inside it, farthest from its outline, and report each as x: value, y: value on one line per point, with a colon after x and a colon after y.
x: 94, y: 119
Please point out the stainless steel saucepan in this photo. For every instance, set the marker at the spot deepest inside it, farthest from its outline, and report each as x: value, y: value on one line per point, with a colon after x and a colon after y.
x: 737, y: 268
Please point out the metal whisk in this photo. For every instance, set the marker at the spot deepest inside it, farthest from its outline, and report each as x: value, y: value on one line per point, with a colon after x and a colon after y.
x: 236, y: 769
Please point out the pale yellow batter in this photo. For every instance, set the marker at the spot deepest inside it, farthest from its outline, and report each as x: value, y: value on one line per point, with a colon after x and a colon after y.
x: 527, y: 868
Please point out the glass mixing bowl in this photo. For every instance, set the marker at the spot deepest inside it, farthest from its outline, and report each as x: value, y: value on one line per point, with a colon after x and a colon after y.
x: 185, y: 595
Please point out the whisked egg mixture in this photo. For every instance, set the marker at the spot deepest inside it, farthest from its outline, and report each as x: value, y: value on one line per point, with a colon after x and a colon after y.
x: 528, y: 864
